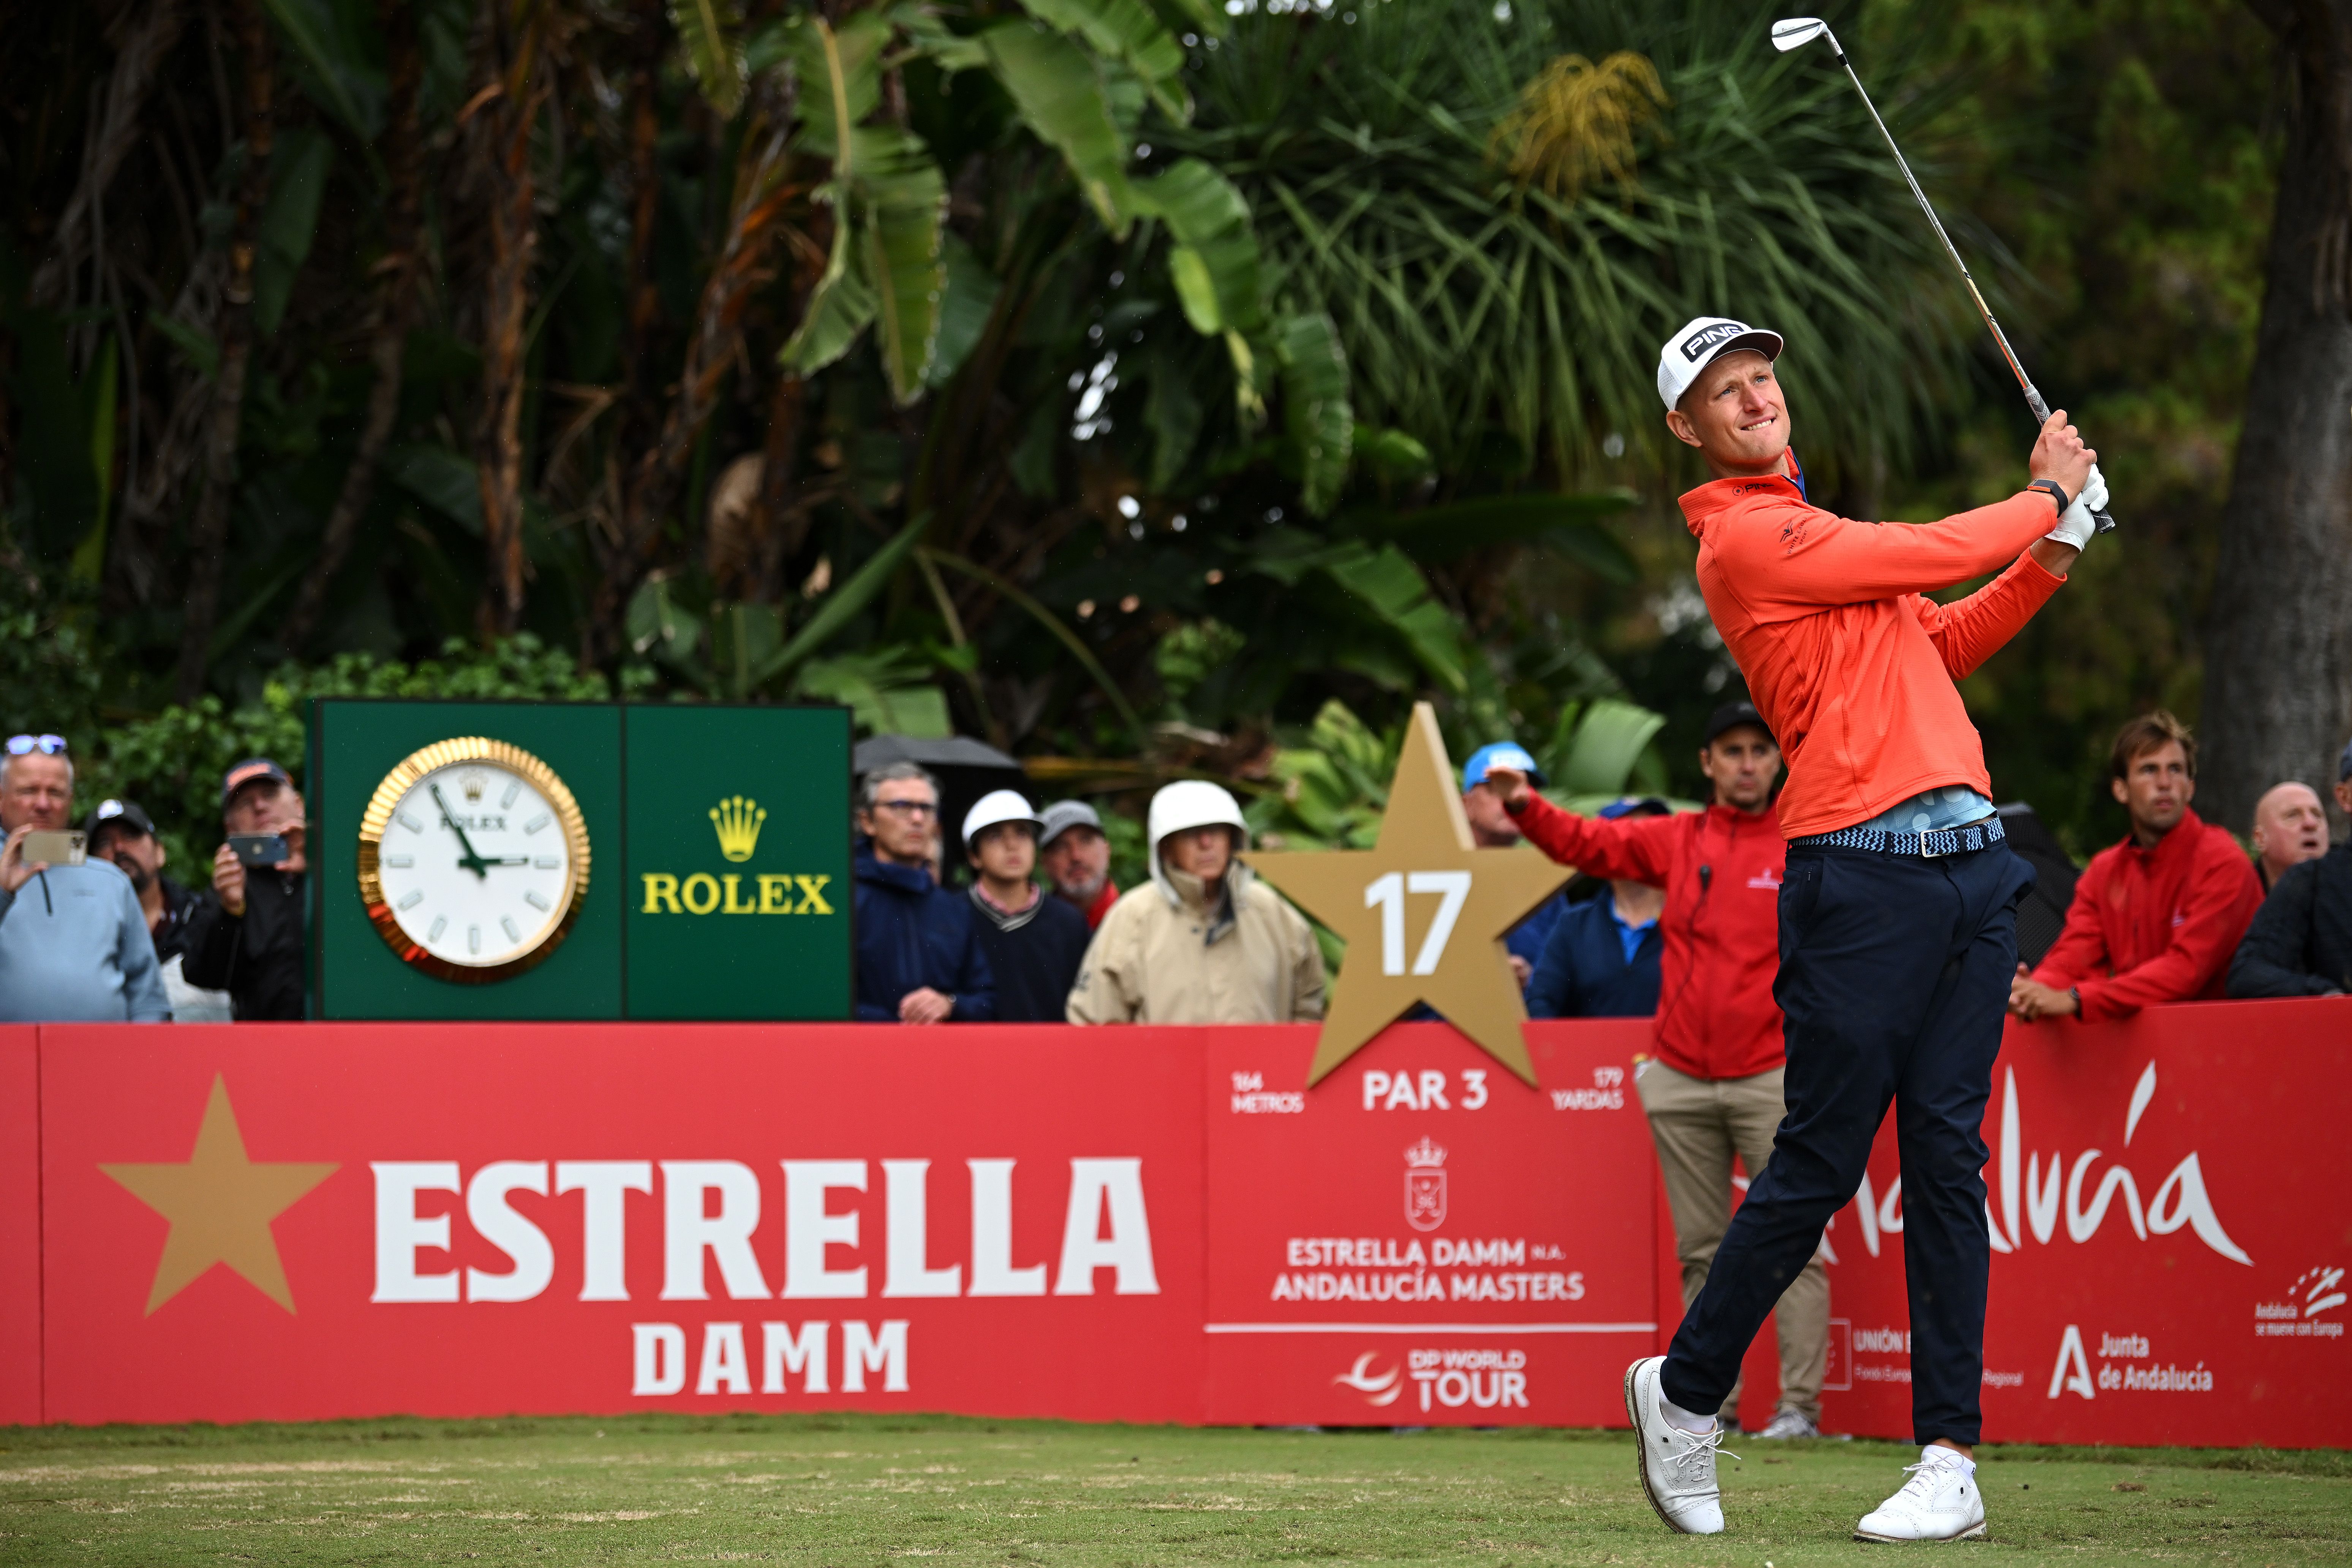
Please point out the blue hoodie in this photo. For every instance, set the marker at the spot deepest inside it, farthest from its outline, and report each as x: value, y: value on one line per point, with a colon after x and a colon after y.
x: 74, y: 948
x: 911, y: 932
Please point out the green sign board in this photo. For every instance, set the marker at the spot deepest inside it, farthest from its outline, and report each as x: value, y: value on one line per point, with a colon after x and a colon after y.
x: 487, y: 860
x: 739, y: 894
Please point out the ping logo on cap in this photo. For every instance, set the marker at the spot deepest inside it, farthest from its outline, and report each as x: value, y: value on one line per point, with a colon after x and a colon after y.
x: 1695, y: 346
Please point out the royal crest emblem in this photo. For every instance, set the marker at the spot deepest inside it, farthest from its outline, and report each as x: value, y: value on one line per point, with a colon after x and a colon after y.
x: 1425, y: 1186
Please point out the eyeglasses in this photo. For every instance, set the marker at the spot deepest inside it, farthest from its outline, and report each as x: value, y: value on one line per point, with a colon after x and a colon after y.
x: 908, y: 808
x: 22, y: 745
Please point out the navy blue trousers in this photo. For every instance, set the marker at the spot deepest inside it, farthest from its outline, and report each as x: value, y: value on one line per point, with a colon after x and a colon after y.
x: 1895, y: 976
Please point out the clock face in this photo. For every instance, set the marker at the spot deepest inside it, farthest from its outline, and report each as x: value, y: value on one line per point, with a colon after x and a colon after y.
x: 473, y: 860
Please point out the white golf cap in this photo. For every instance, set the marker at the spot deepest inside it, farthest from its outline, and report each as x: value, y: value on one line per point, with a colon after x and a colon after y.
x: 1702, y: 340
x: 996, y: 806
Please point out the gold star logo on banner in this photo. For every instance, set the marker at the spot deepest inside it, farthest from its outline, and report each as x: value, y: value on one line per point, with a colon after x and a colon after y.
x: 1423, y: 913
x: 220, y: 1204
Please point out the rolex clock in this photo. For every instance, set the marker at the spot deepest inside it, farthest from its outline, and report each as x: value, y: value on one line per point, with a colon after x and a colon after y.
x: 473, y: 860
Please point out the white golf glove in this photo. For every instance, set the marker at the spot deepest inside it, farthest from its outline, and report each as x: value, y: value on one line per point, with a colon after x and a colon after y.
x: 2075, y: 524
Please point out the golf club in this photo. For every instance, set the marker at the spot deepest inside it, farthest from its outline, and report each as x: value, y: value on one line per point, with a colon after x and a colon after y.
x: 1795, y: 33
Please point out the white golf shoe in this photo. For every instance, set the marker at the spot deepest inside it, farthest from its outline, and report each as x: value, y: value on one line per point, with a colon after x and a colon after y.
x: 1677, y: 1467
x: 1939, y: 1502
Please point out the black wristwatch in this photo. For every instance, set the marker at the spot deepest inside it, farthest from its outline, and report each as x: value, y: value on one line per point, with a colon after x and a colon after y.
x: 2055, y: 491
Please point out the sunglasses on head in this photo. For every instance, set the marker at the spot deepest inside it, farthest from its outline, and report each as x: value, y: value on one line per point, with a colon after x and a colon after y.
x: 21, y: 745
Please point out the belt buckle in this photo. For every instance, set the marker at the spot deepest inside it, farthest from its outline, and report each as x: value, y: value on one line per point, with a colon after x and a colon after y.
x: 1928, y: 853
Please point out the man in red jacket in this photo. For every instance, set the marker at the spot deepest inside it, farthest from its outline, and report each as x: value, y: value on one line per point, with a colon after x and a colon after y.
x: 1714, y: 1089
x: 2155, y: 918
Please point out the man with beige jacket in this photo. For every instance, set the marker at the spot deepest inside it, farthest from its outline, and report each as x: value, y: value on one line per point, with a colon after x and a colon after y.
x: 1202, y: 942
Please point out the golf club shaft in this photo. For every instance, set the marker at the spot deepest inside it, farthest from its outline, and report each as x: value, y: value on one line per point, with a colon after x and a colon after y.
x: 2025, y: 383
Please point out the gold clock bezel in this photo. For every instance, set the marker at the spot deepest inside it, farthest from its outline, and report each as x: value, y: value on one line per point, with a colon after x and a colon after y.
x: 395, y: 787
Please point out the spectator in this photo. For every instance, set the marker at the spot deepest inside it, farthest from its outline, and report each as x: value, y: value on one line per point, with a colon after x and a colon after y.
x: 1601, y: 958
x: 1493, y: 828
x: 2290, y: 828
x: 1715, y: 1089
x: 1205, y: 943
x: 2300, y: 944
x: 80, y: 953
x: 119, y: 832
x: 919, y: 959
x: 2155, y: 917
x: 1076, y: 856
x: 1034, y: 942
x: 250, y: 940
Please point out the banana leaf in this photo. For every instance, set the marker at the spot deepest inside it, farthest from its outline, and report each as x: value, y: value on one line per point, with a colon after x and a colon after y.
x: 1315, y: 407
x: 903, y: 204
x: 713, y: 57
x: 1125, y: 30
x: 1065, y: 100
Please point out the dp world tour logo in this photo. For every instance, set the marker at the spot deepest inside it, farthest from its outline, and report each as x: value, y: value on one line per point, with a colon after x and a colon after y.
x: 1376, y: 1387
x: 1695, y: 346
x: 1425, y: 1186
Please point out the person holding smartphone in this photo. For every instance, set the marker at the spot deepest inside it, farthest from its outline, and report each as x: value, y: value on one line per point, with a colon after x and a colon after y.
x: 74, y: 946
x: 250, y: 941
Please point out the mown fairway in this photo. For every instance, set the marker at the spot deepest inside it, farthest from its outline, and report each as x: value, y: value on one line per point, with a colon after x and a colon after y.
x: 851, y: 1491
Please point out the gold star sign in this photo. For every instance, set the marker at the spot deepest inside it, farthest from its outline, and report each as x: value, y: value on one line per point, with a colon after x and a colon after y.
x: 220, y: 1204
x: 1423, y: 913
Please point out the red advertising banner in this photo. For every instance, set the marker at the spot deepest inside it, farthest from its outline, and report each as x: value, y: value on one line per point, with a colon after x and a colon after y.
x: 1423, y: 1241
x: 20, y: 1225
x: 303, y: 1221
x: 312, y: 1221
x: 2166, y: 1266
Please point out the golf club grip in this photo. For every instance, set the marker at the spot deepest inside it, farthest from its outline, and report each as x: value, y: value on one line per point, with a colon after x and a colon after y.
x: 2105, y: 520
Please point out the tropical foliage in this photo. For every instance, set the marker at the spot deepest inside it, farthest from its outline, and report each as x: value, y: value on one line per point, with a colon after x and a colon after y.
x: 1124, y: 381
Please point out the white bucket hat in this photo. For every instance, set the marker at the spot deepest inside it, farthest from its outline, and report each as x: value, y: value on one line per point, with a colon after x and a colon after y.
x: 998, y: 805
x: 1190, y: 803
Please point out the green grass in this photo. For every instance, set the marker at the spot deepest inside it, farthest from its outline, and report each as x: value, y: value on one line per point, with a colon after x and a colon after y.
x: 860, y: 1490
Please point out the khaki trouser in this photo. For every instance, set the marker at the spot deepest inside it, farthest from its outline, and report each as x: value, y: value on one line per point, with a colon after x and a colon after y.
x: 1697, y: 1124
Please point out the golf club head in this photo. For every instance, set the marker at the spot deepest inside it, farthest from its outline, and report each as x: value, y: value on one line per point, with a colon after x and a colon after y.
x: 1796, y: 32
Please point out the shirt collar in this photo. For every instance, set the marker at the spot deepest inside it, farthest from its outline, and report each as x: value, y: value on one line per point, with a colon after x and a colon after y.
x: 1718, y: 496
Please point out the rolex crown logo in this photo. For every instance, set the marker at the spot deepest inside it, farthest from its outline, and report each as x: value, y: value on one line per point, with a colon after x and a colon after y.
x: 738, y: 821
x: 473, y: 784
x: 1426, y: 1153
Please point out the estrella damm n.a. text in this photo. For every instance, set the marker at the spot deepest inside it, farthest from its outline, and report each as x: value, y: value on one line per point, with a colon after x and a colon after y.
x: 735, y: 893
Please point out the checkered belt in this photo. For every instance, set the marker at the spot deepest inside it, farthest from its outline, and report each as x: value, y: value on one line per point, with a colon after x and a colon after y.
x: 1981, y: 833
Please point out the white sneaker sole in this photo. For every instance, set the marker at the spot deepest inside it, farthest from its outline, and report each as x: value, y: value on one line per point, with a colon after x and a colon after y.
x: 1976, y: 1533
x: 1640, y: 1454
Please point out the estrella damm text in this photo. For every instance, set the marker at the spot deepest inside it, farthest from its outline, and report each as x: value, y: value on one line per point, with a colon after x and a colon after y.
x: 770, y: 893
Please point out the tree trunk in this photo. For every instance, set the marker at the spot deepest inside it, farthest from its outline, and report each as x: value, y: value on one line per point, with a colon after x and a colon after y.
x: 2278, y: 663
x: 638, y: 411
x: 395, y: 306
x: 142, y: 47
x: 208, y: 531
x: 511, y: 220
x: 716, y: 346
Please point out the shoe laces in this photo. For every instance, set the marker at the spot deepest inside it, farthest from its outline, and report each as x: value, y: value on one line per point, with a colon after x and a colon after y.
x: 1697, y: 1454
x: 1926, y: 1476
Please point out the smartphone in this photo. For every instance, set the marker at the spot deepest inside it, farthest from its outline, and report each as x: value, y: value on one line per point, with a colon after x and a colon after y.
x: 258, y: 849
x: 53, y: 847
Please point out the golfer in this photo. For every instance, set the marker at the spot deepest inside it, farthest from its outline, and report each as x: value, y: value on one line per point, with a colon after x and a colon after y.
x: 1898, y: 908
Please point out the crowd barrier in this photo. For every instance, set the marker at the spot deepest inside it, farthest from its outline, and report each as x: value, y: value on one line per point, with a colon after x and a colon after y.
x: 327, y: 1220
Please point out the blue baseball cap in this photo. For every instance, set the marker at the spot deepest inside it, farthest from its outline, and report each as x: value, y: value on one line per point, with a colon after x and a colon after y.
x: 1636, y: 805
x: 1500, y: 754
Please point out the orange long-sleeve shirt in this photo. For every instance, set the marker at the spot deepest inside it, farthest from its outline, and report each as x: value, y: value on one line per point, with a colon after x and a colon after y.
x: 2156, y: 924
x: 1847, y: 661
